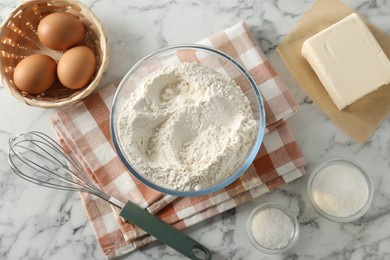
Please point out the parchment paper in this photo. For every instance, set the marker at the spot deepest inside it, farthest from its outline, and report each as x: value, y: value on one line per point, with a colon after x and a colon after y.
x: 360, y: 119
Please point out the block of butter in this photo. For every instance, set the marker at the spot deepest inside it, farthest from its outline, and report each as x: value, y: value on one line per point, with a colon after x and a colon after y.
x: 348, y: 60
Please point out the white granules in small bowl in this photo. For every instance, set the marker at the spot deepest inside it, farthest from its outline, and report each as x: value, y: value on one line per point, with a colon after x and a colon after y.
x: 340, y: 190
x: 272, y: 229
x: 187, y: 127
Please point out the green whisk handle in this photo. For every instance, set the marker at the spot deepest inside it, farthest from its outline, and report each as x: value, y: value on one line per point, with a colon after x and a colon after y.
x: 164, y: 232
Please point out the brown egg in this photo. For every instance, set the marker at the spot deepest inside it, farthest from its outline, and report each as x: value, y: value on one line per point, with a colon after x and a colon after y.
x: 76, y: 67
x: 60, y: 31
x: 35, y: 73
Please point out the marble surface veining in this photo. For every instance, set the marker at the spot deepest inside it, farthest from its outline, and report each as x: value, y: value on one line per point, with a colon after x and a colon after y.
x: 38, y: 223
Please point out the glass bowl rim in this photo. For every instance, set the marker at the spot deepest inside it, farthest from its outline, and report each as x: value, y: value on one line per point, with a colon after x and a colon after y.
x: 294, y: 236
x: 248, y: 161
x: 361, y: 170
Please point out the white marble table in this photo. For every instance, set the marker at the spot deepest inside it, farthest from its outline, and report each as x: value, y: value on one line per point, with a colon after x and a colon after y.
x: 37, y: 223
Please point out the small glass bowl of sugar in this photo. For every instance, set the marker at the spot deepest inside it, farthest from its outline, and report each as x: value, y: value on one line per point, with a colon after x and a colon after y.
x: 340, y: 190
x: 272, y: 229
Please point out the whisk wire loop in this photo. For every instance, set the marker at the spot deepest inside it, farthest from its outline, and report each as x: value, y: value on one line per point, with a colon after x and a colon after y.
x: 36, y: 157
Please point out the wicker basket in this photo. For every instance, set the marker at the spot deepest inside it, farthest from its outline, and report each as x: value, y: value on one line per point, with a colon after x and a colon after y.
x: 18, y: 39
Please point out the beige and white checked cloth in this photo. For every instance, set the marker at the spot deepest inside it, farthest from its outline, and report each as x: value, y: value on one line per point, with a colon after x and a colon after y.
x: 83, y: 130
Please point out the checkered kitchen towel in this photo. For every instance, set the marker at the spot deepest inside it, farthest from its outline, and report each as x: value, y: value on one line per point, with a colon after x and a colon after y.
x: 83, y: 130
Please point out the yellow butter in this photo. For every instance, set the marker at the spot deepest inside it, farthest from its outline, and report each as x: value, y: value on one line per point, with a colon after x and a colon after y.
x: 348, y: 60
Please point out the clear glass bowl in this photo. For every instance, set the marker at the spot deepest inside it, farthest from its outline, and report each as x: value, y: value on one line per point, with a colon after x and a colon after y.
x: 342, y: 161
x: 175, y: 55
x: 292, y: 238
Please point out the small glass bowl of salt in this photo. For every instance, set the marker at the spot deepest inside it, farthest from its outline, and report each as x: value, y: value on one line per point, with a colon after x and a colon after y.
x: 272, y: 229
x: 340, y: 190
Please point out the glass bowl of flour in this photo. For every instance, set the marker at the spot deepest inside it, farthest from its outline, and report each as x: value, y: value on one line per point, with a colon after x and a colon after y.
x: 187, y: 120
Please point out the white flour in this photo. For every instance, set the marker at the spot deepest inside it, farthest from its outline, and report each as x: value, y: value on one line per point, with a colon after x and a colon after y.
x: 187, y: 127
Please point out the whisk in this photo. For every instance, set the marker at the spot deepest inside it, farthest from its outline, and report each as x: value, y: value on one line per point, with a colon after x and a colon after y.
x: 36, y: 157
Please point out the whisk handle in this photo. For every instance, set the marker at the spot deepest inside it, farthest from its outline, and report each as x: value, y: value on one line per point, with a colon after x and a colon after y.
x: 164, y: 232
